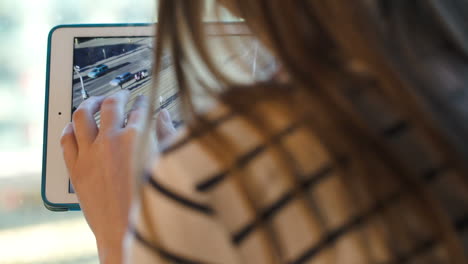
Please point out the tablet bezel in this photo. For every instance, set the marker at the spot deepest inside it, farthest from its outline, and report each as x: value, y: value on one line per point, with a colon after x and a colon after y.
x: 55, y: 181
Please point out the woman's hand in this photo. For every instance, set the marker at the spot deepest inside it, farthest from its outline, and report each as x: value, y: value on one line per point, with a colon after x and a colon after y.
x: 100, y: 165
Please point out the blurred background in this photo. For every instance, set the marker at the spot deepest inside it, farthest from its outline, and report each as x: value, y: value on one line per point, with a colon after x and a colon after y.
x: 29, y: 233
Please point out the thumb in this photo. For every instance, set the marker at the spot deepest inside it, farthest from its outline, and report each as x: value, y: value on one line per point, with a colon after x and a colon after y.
x: 164, y: 127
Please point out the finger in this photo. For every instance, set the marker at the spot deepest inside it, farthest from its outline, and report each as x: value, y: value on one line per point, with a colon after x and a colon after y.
x: 84, y: 124
x: 113, y: 111
x: 164, y: 126
x: 69, y: 145
x: 137, y: 115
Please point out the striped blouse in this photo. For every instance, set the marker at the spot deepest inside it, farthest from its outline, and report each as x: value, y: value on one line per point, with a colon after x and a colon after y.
x: 250, y: 212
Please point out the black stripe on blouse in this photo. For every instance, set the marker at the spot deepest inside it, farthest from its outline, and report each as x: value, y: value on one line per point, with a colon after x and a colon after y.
x: 332, y: 236
x: 212, y: 181
x: 165, y: 254
x: 206, y: 185
x: 243, y: 160
x: 396, y: 129
x: 417, y: 251
x: 462, y: 223
x: 432, y: 173
x: 270, y: 211
x: 267, y: 213
x: 428, y: 244
x: 202, y: 208
x: 197, y: 133
x: 354, y: 223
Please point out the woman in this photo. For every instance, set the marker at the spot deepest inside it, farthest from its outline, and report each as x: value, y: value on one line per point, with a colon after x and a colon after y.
x: 357, y: 154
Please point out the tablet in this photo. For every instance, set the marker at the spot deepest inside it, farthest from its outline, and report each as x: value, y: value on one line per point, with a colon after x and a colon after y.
x: 91, y: 60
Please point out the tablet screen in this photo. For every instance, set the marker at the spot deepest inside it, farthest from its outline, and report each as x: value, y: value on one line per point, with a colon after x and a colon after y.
x: 105, y: 65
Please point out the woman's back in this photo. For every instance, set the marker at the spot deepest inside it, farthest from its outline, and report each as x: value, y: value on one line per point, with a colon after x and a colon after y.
x: 377, y: 169
x: 357, y: 154
x: 280, y: 197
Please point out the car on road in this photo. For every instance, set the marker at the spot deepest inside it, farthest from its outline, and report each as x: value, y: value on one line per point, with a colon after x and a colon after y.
x: 140, y: 75
x: 121, y: 79
x: 99, y: 70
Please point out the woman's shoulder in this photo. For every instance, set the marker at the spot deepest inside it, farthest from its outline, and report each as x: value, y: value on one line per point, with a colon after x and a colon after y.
x: 224, y: 137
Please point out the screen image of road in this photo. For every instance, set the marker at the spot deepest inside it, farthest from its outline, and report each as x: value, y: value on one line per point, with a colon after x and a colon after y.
x: 102, y: 66
x: 105, y: 65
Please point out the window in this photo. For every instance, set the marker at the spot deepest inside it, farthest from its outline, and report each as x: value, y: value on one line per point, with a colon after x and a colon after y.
x: 29, y: 233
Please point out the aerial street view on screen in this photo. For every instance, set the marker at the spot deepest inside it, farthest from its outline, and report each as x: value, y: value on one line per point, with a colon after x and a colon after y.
x: 102, y: 66
x: 105, y: 65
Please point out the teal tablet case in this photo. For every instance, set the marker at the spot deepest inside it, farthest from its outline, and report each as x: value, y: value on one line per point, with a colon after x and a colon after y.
x: 49, y: 205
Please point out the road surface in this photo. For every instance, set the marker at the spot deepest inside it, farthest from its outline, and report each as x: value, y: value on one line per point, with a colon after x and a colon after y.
x: 138, y: 59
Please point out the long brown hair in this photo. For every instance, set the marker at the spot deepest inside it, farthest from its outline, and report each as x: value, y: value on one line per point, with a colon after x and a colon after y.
x: 330, y: 50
